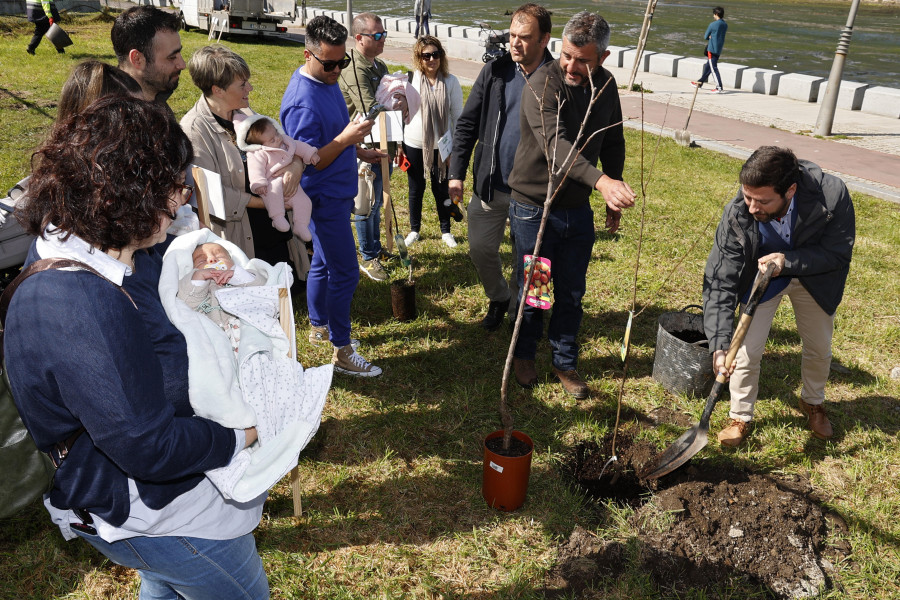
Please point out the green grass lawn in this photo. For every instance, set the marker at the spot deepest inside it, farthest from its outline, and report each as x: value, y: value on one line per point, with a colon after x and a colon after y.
x: 391, y: 483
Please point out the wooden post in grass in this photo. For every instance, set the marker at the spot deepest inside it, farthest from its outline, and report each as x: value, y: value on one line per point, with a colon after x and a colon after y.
x: 386, y: 184
x: 642, y: 41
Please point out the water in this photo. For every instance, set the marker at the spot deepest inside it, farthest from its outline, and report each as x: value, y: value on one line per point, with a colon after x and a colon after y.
x: 795, y: 37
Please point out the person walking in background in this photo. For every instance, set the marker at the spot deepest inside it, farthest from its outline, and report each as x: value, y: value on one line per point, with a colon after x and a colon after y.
x: 358, y: 86
x: 550, y: 120
x: 442, y: 103
x: 791, y: 213
x: 313, y: 111
x: 422, y: 11
x: 43, y: 14
x: 715, y: 39
x: 491, y: 118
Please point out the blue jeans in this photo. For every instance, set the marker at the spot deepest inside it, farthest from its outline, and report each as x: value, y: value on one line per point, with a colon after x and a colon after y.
x: 368, y: 228
x: 333, y: 272
x: 172, y: 568
x: 568, y: 242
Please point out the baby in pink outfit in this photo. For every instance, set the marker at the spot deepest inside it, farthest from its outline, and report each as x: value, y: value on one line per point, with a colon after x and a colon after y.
x: 269, y: 150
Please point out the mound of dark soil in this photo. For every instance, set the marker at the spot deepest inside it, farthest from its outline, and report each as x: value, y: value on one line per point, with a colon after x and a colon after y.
x: 703, y: 528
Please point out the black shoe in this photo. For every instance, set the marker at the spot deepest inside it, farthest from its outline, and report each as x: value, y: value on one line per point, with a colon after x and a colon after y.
x: 494, y: 317
x: 29, y: 51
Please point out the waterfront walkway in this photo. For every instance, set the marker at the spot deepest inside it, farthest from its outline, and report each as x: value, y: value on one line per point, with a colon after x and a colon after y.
x: 738, y: 122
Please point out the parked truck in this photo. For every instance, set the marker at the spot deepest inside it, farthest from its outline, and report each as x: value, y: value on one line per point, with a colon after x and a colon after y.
x: 253, y: 17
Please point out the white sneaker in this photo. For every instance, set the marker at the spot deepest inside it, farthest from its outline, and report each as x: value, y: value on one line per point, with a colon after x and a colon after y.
x: 411, y: 238
x: 347, y: 361
x: 449, y: 240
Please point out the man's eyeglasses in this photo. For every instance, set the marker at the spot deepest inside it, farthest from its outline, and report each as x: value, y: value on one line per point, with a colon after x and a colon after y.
x: 329, y: 65
x: 376, y: 36
x: 436, y: 55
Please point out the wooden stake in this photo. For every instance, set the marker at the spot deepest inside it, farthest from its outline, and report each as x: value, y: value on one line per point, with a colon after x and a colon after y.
x: 386, y: 185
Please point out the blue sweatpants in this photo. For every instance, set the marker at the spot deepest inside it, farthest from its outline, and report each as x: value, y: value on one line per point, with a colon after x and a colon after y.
x: 334, y: 272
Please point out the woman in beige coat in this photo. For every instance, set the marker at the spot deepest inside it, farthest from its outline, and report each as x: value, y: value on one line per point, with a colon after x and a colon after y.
x: 224, y: 79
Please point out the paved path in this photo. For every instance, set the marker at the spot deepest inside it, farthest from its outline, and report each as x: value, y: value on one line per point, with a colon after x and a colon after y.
x: 738, y: 122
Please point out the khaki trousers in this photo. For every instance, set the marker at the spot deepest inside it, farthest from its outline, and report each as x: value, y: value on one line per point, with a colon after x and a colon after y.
x: 487, y: 226
x: 815, y: 327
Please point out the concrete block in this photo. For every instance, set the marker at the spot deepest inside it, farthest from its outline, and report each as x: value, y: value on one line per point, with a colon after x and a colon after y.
x: 441, y: 30
x: 470, y: 33
x: 690, y: 68
x: 628, y: 59
x: 664, y: 64
x: 761, y: 81
x: 615, y: 55
x: 879, y: 100
x: 850, y: 94
x: 555, y: 46
x: 800, y: 87
x: 406, y: 26
x: 461, y: 48
x: 731, y: 74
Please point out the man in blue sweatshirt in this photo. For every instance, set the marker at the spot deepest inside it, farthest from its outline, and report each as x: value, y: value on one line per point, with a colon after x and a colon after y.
x: 715, y: 39
x: 313, y: 111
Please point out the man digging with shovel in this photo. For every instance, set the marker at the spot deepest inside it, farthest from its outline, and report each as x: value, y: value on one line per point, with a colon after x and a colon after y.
x: 791, y: 213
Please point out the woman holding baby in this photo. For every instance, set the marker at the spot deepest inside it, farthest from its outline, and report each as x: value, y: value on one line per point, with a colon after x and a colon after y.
x: 99, y: 374
x: 224, y: 80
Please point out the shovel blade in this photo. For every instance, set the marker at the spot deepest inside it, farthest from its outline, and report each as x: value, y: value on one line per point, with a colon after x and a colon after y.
x: 680, y: 451
x: 683, y: 137
x: 402, y: 250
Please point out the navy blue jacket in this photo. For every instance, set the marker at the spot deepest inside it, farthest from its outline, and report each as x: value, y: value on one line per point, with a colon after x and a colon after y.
x: 482, y: 121
x: 79, y: 354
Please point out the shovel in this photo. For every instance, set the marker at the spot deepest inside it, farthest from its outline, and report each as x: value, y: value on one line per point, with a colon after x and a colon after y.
x: 683, y: 136
x: 694, y: 440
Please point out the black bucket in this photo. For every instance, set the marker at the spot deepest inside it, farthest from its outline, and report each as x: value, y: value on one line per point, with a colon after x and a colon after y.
x: 683, y: 364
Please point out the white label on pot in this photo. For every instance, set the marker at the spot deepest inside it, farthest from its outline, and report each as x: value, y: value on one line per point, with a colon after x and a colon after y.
x: 496, y: 467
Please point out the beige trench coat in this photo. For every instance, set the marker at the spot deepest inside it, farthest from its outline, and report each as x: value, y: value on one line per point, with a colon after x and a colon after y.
x: 214, y: 150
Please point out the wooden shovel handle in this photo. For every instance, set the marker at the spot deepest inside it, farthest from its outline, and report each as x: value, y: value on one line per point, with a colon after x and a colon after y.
x: 759, y: 288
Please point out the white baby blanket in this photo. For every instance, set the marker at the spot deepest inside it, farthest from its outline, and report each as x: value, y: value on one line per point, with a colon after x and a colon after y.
x: 261, y: 387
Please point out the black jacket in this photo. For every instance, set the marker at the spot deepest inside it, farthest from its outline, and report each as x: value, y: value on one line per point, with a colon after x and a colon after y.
x: 529, y: 177
x: 823, y: 244
x: 482, y: 121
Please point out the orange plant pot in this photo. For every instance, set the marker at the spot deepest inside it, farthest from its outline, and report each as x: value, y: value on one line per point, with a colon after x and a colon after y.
x: 505, y: 478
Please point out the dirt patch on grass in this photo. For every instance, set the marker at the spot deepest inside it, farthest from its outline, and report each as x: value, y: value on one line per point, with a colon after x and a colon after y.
x: 22, y: 100
x: 701, y: 528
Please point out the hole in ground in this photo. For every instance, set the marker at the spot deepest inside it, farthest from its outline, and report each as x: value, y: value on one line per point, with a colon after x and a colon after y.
x: 703, y: 527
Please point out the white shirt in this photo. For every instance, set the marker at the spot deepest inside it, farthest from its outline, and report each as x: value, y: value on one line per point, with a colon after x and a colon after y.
x: 782, y: 226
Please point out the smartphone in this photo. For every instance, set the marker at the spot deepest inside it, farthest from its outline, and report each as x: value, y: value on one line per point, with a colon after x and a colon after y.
x: 404, y: 164
x: 373, y: 112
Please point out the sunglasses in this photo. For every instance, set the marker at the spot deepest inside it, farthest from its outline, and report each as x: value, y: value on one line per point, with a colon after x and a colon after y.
x: 329, y: 65
x: 436, y: 55
x: 376, y: 36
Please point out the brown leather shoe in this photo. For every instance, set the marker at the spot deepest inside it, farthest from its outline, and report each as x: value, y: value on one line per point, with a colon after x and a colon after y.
x: 736, y: 432
x: 818, y: 421
x: 525, y: 373
x: 572, y: 383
